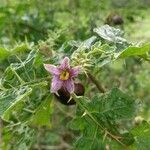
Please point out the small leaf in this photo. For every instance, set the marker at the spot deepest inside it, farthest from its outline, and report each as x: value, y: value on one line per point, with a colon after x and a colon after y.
x: 110, y: 34
x: 133, y: 51
x: 85, y: 44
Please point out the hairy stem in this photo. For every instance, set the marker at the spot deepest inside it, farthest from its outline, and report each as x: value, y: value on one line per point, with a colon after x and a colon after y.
x: 95, y: 81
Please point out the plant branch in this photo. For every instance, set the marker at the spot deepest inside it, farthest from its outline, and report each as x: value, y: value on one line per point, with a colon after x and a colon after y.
x: 95, y: 81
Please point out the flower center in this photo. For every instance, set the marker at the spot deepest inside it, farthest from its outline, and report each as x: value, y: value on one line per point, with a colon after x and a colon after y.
x: 64, y: 75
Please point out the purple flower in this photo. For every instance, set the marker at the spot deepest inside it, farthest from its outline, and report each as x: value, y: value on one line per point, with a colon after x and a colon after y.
x: 63, y: 75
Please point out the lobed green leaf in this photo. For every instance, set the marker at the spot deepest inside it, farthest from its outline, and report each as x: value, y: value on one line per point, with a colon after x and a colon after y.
x: 134, y: 51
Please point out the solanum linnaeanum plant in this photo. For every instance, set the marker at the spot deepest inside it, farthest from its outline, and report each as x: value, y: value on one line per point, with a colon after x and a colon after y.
x: 104, y: 117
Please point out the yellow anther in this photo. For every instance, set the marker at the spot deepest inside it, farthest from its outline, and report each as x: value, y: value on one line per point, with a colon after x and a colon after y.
x: 64, y: 75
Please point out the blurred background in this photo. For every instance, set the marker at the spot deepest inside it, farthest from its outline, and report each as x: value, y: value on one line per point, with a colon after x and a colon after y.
x: 59, y: 21
x: 33, y: 19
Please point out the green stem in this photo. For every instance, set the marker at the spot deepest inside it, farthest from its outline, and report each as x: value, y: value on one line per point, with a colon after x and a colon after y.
x: 19, y: 78
x: 95, y: 81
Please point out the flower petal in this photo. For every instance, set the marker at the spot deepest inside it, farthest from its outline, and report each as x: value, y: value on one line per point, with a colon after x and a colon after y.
x: 75, y: 71
x: 52, y: 69
x: 56, y: 84
x: 65, y: 63
x: 69, y: 85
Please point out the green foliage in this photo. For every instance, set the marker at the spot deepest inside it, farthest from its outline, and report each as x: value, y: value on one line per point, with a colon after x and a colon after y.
x: 110, y: 34
x: 23, y: 101
x: 42, y: 113
x: 26, y: 99
x: 11, y: 99
x: 4, y: 53
x: 133, y: 51
x: 97, y: 52
x: 89, y: 143
x: 18, y: 136
x: 104, y: 118
x: 99, y: 118
x: 142, y: 136
x: 20, y: 48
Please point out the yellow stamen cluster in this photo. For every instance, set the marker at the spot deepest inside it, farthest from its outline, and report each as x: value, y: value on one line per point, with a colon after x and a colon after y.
x: 64, y: 75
